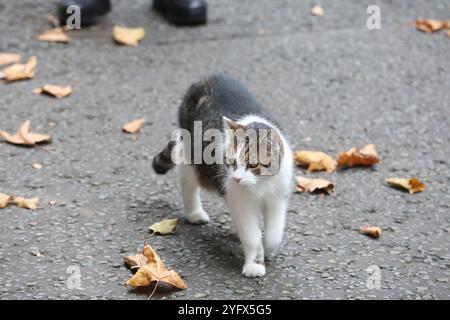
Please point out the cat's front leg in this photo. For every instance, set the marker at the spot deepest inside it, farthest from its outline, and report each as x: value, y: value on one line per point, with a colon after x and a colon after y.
x: 245, y: 215
x: 274, y: 212
x: 190, y: 191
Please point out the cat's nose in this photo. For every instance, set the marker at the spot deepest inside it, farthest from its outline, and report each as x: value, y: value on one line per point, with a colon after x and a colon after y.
x: 237, y: 179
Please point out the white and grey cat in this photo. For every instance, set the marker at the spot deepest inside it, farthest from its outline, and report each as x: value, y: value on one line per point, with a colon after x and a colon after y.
x: 252, y: 189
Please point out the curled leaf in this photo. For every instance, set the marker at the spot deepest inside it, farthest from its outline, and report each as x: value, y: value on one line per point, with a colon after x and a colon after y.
x: 314, y: 185
x: 55, y: 91
x: 26, y: 203
x: 374, y: 232
x: 412, y: 185
x: 430, y: 25
x: 8, y: 58
x: 133, y: 126
x: 54, y: 35
x: 5, y: 200
x: 155, y: 271
x: 20, y: 71
x: 318, y: 11
x: 24, y: 136
x: 366, y: 156
x: 128, y: 36
x: 135, y: 261
x: 315, y: 160
x: 36, y: 166
x: 164, y: 227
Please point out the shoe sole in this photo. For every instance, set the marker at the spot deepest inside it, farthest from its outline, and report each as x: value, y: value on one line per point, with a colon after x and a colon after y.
x: 191, y: 18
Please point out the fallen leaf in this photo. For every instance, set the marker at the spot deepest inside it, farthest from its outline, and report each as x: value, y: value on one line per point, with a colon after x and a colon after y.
x: 36, y: 166
x: 314, y: 185
x: 128, y: 36
x: 374, y: 232
x: 366, y: 156
x: 52, y: 19
x: 430, y: 25
x: 24, y: 136
x: 412, y: 185
x: 133, y: 126
x: 26, y: 203
x: 8, y: 58
x: 318, y: 11
x: 315, y: 160
x: 54, y: 35
x: 52, y: 202
x: 154, y: 271
x: 135, y: 261
x: 55, y: 91
x: 20, y: 71
x: 164, y: 227
x: 4, y: 200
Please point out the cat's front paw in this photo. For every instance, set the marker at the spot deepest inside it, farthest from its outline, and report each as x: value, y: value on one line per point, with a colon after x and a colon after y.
x: 198, y: 217
x: 253, y: 270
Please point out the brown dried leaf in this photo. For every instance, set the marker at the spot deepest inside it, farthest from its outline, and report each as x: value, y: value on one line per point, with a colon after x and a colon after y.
x: 314, y: 185
x: 8, y: 58
x: 128, y: 36
x: 318, y: 11
x: 412, y: 185
x: 26, y: 203
x: 55, y: 91
x: 374, y: 232
x: 133, y: 126
x: 24, y: 136
x: 315, y: 160
x: 5, y: 200
x: 366, y: 156
x: 20, y: 71
x: 54, y: 35
x: 135, y: 261
x: 430, y: 25
x: 155, y: 271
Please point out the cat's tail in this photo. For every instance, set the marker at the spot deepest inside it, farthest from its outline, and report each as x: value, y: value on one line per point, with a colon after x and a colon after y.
x: 162, y: 163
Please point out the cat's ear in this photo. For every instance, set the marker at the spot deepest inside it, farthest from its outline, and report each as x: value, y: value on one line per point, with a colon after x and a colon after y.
x: 230, y: 124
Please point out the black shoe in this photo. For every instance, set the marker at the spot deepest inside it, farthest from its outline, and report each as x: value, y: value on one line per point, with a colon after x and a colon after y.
x: 91, y: 11
x: 182, y: 12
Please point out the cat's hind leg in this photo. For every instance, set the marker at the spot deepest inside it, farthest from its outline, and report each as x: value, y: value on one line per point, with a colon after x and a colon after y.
x: 274, y: 212
x: 245, y: 215
x: 190, y: 191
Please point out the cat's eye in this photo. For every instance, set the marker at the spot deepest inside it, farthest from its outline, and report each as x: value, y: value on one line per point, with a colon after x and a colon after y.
x: 252, y: 165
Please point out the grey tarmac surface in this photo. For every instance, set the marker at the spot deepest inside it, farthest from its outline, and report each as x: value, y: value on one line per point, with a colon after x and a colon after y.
x: 332, y: 83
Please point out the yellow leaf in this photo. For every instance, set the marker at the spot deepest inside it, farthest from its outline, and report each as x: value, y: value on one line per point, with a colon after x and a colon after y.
x: 314, y: 185
x: 55, y: 91
x: 133, y: 126
x: 128, y: 36
x: 8, y: 58
x: 36, y: 166
x: 164, y: 227
x: 20, y: 71
x: 318, y: 11
x: 412, y: 185
x: 26, y: 203
x: 374, y: 232
x: 54, y: 35
x: 154, y: 271
x: 366, y: 156
x: 4, y: 200
x: 315, y: 160
x: 24, y: 136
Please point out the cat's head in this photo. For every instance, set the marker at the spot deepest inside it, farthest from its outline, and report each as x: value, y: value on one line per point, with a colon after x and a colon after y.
x: 252, y: 152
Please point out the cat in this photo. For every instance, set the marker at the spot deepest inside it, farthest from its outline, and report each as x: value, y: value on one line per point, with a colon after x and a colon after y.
x: 251, y: 188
